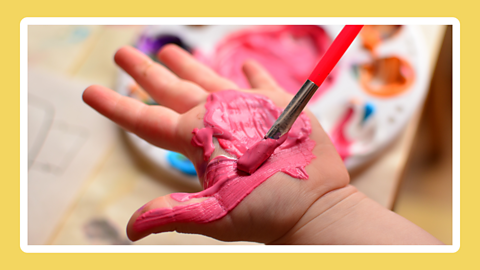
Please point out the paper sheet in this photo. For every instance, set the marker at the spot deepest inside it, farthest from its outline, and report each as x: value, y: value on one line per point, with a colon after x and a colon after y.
x: 66, y: 140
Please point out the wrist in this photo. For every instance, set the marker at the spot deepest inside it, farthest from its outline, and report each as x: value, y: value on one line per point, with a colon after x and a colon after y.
x: 319, y: 220
x: 346, y: 216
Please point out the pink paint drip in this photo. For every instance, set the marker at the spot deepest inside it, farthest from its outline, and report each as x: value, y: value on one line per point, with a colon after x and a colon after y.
x: 288, y: 52
x: 238, y: 120
x: 341, y: 142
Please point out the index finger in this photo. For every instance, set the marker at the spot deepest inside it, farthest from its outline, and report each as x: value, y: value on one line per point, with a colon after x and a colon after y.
x: 156, y: 124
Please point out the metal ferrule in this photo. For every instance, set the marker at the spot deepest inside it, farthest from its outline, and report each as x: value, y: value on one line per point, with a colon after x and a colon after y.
x: 293, y: 110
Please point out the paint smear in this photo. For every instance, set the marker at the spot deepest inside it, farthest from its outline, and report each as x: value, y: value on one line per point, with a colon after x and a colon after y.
x: 288, y: 52
x: 373, y: 35
x: 238, y: 120
x: 258, y: 153
x: 338, y: 137
x: 386, y: 77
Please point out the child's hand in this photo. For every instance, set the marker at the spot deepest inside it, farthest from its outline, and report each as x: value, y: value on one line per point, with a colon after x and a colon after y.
x: 278, y: 207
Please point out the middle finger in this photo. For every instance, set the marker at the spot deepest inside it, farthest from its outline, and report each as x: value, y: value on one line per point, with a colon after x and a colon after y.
x: 188, y: 68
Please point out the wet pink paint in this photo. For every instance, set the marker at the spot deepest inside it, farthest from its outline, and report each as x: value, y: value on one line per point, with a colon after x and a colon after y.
x: 288, y: 52
x: 204, y: 138
x: 338, y: 137
x: 258, y: 153
x: 238, y: 120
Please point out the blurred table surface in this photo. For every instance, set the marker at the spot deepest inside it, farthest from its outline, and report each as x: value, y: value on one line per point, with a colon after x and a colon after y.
x: 123, y: 180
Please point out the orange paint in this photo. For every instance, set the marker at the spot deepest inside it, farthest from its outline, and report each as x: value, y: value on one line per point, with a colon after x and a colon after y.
x: 373, y: 35
x: 386, y: 77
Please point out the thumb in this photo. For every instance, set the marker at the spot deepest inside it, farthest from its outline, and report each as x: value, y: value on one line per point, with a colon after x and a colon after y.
x: 177, y: 212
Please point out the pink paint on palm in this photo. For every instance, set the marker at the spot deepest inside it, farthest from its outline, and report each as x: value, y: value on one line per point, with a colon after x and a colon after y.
x: 288, y: 52
x: 258, y: 153
x: 338, y: 136
x: 238, y: 120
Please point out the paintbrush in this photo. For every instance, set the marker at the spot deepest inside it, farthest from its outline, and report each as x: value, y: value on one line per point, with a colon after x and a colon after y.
x: 261, y: 151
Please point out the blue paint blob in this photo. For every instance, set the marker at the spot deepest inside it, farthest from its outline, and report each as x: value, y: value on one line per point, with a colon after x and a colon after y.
x: 369, y: 110
x: 181, y: 163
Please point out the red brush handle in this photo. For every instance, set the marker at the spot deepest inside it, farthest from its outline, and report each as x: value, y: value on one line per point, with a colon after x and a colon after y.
x: 334, y: 53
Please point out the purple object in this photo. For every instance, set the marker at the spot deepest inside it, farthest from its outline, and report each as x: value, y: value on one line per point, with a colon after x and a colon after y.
x: 151, y: 44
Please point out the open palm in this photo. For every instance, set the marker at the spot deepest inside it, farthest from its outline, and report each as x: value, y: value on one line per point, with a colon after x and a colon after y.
x: 273, y: 208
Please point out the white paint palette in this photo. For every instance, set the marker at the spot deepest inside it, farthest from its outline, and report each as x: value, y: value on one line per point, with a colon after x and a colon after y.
x: 390, y: 116
x: 391, y: 113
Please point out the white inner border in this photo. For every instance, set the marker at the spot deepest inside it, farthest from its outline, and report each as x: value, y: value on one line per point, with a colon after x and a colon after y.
x: 237, y: 248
